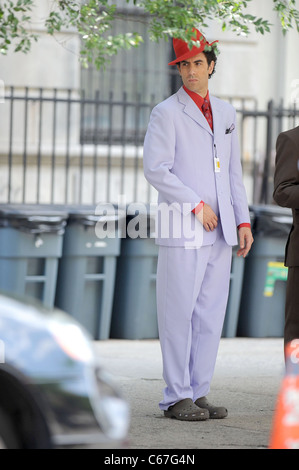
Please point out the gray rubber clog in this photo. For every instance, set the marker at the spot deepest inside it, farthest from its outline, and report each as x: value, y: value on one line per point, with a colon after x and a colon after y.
x: 216, y: 412
x: 186, y: 410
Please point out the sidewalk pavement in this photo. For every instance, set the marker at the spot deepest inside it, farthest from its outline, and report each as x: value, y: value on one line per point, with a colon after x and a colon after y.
x: 247, y: 379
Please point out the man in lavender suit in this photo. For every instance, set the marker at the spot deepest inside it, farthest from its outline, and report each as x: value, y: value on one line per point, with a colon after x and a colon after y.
x: 191, y: 156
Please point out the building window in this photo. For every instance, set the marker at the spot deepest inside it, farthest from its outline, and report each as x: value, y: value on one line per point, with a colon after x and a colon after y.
x: 118, y: 99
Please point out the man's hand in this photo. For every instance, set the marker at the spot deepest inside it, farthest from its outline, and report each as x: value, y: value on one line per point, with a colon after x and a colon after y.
x: 207, y: 218
x: 245, y: 241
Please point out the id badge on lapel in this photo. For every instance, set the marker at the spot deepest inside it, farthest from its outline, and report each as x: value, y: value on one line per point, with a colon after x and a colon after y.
x: 216, y: 165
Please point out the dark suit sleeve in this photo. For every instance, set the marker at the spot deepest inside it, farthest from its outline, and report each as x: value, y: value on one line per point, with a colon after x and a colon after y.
x: 286, y: 174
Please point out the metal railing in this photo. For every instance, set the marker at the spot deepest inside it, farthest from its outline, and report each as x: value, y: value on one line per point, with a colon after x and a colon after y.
x: 62, y: 133
x: 57, y: 146
x: 276, y: 119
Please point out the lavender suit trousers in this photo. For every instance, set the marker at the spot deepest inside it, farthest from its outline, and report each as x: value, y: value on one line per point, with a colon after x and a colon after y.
x: 192, y: 293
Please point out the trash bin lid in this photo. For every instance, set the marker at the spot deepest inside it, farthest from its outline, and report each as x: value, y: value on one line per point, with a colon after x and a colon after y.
x: 89, y: 215
x: 33, y: 218
x: 271, y: 220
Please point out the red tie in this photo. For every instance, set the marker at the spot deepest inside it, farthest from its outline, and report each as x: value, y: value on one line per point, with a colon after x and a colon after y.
x: 207, y: 113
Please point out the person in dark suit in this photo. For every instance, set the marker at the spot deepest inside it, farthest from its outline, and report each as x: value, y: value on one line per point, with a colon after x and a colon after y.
x: 286, y: 194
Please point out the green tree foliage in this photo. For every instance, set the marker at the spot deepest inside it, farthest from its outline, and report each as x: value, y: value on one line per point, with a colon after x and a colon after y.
x: 93, y: 20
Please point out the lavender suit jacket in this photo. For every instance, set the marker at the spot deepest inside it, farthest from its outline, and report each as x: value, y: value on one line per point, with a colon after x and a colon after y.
x: 179, y: 152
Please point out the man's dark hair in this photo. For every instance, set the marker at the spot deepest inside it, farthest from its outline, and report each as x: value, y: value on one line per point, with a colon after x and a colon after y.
x: 210, y: 55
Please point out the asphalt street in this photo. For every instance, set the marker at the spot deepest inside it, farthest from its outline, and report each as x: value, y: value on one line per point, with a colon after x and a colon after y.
x: 248, y: 375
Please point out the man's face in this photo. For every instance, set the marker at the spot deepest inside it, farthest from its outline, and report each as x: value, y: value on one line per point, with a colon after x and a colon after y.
x: 195, y: 73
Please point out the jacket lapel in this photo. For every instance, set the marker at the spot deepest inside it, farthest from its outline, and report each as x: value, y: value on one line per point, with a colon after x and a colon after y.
x: 192, y: 110
x: 217, y: 113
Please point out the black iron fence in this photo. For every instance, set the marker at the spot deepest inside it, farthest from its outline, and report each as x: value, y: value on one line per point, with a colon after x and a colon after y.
x: 275, y: 119
x: 57, y: 146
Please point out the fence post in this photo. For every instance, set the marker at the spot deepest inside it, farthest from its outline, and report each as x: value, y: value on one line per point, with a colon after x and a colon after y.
x: 266, y: 174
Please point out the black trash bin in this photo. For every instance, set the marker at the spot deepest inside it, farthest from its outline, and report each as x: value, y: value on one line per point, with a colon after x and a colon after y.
x: 31, y: 238
x: 230, y: 324
x: 134, y: 309
x: 264, y: 281
x: 86, y: 274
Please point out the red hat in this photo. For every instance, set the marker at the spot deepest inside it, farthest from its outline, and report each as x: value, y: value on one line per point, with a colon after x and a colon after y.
x: 182, y: 50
